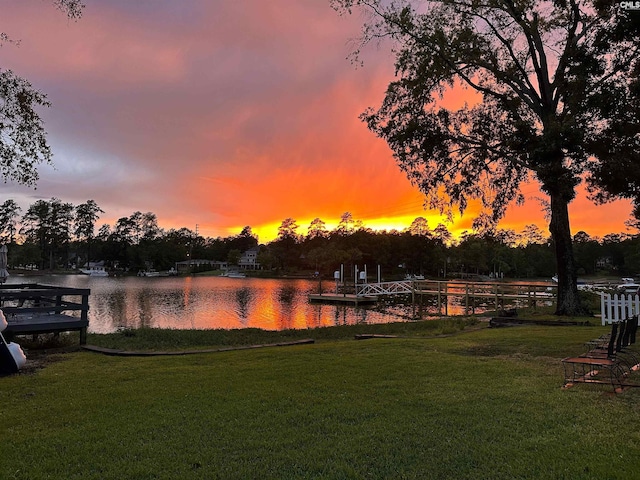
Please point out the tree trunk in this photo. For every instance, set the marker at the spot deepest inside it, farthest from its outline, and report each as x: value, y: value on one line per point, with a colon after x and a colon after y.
x: 568, y: 301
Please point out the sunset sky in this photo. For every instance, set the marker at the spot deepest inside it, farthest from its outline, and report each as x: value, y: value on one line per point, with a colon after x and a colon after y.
x: 222, y: 114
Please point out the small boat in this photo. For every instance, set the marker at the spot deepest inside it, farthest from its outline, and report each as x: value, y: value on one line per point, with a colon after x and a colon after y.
x: 149, y: 273
x: 413, y: 277
x: 234, y: 274
x: 154, y: 273
x: 629, y: 287
x: 95, y: 272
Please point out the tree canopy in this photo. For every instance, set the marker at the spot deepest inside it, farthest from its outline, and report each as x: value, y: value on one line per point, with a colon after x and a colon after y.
x: 23, y: 139
x: 558, y: 98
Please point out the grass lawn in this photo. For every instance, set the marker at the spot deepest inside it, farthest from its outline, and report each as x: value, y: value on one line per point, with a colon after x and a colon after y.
x: 478, y: 404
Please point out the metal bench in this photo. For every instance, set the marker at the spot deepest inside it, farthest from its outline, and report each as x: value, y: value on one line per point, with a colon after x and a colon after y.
x: 608, y: 360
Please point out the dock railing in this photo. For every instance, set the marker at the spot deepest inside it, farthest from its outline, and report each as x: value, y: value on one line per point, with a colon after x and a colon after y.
x: 384, y: 288
x: 34, y: 308
x: 498, y: 293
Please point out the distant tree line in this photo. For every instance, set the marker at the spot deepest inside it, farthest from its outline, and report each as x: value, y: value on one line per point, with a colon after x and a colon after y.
x: 53, y: 234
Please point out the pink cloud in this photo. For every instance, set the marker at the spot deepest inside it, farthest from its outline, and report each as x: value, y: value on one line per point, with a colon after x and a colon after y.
x: 221, y: 113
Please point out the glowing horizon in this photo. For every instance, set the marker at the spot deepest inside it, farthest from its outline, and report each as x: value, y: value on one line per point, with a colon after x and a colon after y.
x: 597, y: 221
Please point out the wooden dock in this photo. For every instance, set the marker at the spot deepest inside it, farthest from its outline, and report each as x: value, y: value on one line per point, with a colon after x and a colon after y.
x: 498, y: 294
x: 338, y: 298
x: 31, y: 309
x: 24, y: 324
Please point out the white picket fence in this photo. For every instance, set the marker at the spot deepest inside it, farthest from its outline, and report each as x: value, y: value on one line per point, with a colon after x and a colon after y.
x: 615, y: 308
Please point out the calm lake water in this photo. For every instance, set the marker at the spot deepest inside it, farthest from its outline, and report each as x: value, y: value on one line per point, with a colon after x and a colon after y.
x: 211, y: 302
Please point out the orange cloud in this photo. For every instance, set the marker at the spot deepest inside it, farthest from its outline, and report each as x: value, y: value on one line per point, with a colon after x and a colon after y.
x: 224, y: 114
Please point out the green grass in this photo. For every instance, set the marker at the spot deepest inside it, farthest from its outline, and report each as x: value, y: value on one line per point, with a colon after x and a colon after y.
x: 483, y: 404
x: 162, y: 339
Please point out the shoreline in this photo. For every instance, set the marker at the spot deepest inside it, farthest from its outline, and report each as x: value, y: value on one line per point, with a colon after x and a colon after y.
x: 304, y: 276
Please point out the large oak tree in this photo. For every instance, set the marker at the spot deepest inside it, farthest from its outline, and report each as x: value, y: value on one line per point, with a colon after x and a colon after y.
x: 558, y: 104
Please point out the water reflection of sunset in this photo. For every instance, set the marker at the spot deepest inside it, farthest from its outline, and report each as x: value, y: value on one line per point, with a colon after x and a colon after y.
x: 222, y: 303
